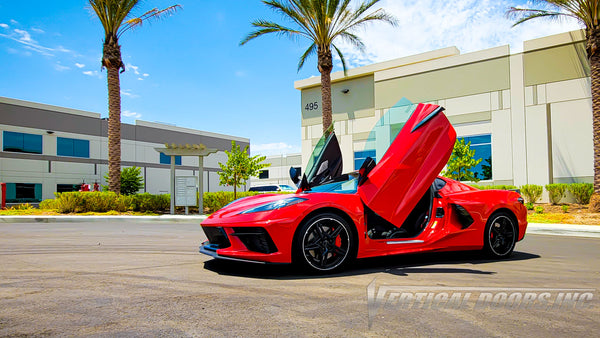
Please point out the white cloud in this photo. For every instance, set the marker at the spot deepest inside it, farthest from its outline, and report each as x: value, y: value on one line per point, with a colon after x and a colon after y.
x: 131, y: 114
x: 278, y: 148
x: 128, y: 93
x: 79, y: 65
x: 24, y: 35
x: 93, y: 73
x: 3, y: 25
x: 14, y: 22
x: 146, y: 74
x: 37, y: 30
x: 135, y: 68
x: 141, y: 79
x: 425, y: 25
x: 60, y: 67
x: 24, y: 38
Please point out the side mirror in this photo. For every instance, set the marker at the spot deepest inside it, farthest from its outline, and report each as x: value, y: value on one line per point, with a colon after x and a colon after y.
x: 295, y: 175
x: 365, y: 169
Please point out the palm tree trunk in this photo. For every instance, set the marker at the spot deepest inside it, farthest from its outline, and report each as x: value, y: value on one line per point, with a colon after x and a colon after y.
x: 593, y: 51
x: 325, y: 67
x: 114, y: 130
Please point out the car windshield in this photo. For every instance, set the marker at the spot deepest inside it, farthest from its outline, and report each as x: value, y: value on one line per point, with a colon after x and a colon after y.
x: 285, y: 187
x: 346, y: 186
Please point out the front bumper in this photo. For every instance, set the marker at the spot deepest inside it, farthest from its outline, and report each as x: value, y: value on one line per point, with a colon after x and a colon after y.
x: 246, y: 244
x: 210, y: 250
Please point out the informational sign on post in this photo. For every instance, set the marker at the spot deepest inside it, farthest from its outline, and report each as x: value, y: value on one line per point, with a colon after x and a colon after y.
x: 185, y: 191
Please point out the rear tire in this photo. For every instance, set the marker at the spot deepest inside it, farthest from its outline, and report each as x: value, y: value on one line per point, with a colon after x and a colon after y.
x: 325, y: 243
x: 500, y: 235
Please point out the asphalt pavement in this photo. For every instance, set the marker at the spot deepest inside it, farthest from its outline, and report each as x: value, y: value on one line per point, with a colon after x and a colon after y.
x: 575, y: 230
x: 140, y: 279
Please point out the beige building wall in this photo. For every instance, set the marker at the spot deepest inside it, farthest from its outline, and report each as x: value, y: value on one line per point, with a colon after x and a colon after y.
x: 536, y: 105
x: 278, y: 170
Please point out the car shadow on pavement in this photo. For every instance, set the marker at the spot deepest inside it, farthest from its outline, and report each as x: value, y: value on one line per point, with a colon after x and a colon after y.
x: 401, y: 265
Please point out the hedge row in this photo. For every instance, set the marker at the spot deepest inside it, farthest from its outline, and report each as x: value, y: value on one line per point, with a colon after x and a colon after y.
x: 102, y: 201
x: 582, y: 192
x: 78, y: 202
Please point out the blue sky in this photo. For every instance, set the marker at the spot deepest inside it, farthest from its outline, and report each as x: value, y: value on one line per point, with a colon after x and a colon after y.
x: 189, y: 70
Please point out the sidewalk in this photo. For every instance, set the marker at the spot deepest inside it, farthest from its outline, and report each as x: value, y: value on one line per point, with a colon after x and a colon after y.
x: 573, y: 230
x: 117, y: 218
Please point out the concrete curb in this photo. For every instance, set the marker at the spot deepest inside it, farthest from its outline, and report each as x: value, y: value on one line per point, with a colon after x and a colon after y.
x: 573, y: 230
x: 118, y: 218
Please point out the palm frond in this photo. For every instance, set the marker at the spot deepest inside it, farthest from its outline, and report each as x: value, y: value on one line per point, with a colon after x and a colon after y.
x: 154, y: 13
x: 311, y: 50
x: 341, y: 56
x: 266, y: 27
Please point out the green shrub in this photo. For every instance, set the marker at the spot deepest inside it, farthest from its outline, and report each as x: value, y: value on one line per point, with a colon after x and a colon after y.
x: 48, y: 204
x: 532, y: 192
x: 565, y: 208
x: 539, y: 210
x: 68, y: 202
x: 131, y: 181
x: 23, y: 206
x: 214, y: 201
x: 98, y: 201
x: 529, y: 206
x: 494, y: 187
x: 582, y: 192
x: 556, y: 192
x: 148, y: 202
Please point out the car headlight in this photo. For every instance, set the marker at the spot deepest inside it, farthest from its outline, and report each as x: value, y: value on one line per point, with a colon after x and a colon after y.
x: 286, y: 202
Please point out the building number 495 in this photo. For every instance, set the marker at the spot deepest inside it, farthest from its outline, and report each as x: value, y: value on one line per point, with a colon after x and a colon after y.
x: 311, y: 106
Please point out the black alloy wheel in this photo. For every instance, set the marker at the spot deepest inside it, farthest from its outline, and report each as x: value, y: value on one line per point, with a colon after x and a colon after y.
x: 500, y: 235
x: 325, y: 243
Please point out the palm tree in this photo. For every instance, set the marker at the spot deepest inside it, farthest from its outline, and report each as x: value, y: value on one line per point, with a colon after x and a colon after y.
x: 116, y: 20
x: 587, y: 12
x: 321, y: 22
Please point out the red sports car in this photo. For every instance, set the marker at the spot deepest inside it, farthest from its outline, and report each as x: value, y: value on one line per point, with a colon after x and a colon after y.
x: 394, y: 204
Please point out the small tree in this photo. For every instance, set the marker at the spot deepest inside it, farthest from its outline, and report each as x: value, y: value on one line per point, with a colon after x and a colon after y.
x: 461, y: 163
x: 239, y: 167
x: 131, y: 180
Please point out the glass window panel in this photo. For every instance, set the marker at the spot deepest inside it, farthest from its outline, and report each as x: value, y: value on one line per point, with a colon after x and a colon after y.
x: 64, y: 146
x: 21, y: 142
x: 81, y: 148
x: 32, y: 143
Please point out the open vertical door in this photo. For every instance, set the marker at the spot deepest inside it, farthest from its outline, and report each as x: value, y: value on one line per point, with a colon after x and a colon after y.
x: 411, y: 163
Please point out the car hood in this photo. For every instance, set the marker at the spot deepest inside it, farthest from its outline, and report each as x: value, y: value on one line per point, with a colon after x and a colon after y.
x: 246, y: 203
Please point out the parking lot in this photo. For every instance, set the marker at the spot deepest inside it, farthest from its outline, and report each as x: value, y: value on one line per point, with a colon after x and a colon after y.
x: 147, y: 279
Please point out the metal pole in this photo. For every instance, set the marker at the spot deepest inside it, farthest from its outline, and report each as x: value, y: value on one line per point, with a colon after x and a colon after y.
x: 200, y: 185
x: 172, y: 185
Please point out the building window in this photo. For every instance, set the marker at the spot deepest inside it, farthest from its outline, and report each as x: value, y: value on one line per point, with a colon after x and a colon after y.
x: 23, y: 192
x: 361, y: 156
x: 482, y: 144
x: 22, y: 143
x: 164, y: 159
x: 67, y: 187
x: 72, y: 147
x: 263, y: 174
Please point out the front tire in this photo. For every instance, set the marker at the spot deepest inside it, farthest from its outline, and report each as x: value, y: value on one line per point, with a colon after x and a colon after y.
x: 500, y: 235
x: 324, y: 243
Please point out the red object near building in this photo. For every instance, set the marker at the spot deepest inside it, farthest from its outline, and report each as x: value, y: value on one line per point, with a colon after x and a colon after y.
x: 3, y: 196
